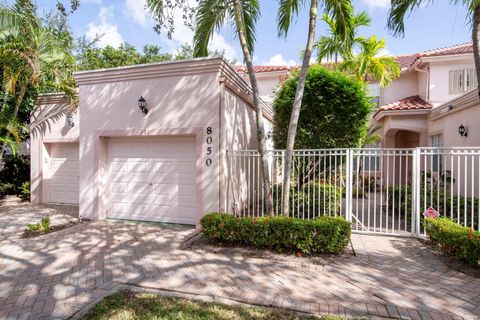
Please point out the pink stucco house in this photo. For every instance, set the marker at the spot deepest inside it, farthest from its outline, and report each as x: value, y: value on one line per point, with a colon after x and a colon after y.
x: 146, y: 142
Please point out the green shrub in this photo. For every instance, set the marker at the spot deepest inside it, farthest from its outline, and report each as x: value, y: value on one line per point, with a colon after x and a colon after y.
x: 34, y: 226
x: 14, y: 173
x: 321, y: 235
x: 45, y: 222
x: 335, y: 111
x: 455, y: 239
x: 25, y: 191
x: 310, y: 200
x: 446, y: 202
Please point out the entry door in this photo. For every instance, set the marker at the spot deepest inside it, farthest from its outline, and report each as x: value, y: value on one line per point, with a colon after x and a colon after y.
x: 152, y: 180
x: 64, y: 173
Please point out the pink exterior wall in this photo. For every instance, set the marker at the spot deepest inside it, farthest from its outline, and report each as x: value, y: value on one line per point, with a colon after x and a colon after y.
x: 48, y: 126
x: 439, y: 77
x: 185, y: 104
x: 404, y: 86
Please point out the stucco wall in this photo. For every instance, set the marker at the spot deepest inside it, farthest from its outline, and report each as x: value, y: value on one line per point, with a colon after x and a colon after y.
x: 48, y: 125
x: 404, y: 86
x: 439, y: 78
x: 176, y: 104
x: 448, y: 127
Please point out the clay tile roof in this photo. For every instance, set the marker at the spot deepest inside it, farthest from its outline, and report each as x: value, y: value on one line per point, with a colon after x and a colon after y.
x: 405, y: 61
x: 410, y: 103
x: 456, y: 49
x: 264, y: 68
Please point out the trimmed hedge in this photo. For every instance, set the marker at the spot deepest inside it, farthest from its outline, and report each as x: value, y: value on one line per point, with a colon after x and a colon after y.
x: 322, y: 235
x: 455, y: 239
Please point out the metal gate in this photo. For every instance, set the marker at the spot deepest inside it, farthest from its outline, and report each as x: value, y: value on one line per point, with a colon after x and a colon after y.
x: 379, y: 190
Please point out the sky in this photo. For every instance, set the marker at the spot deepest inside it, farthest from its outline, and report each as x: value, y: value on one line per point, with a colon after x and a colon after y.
x: 434, y: 26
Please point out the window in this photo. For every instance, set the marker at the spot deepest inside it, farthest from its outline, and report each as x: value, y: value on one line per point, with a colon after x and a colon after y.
x: 436, y: 162
x: 371, y: 160
x: 462, y: 81
x: 374, y: 93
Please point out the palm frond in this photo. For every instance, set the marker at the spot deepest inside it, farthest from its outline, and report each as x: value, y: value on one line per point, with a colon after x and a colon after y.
x: 211, y: 15
x: 288, y: 9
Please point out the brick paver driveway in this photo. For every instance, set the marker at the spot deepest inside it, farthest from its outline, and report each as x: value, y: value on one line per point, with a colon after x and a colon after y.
x: 56, y: 275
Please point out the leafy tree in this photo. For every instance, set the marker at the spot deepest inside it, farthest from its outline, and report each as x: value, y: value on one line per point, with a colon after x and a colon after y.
x: 341, y: 13
x: 335, y: 111
x: 335, y: 45
x: 400, y: 8
x: 370, y: 64
x: 32, y: 56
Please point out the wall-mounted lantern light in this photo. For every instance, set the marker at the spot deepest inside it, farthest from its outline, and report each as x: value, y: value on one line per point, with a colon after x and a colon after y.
x: 142, y: 104
x: 69, y: 120
x: 462, y: 130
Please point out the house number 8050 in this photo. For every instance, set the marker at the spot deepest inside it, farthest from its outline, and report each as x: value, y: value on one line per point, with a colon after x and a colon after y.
x: 209, y: 140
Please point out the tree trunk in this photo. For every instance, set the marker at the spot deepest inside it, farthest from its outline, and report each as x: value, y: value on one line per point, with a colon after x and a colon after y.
x: 476, y: 44
x: 18, y: 103
x: 261, y: 136
x: 297, y: 104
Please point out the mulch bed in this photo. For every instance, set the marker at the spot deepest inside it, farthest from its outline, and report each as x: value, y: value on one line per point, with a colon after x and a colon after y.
x: 450, y: 261
x: 197, y: 243
x: 36, y: 233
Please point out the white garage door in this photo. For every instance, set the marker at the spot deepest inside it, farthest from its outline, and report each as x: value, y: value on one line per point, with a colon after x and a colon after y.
x: 152, y: 180
x: 64, y: 173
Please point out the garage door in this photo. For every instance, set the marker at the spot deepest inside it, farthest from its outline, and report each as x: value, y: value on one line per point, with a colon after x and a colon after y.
x: 64, y: 173
x: 152, y: 180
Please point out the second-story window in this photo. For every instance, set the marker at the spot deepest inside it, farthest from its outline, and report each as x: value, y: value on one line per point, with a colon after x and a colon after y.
x: 462, y: 80
x: 374, y: 93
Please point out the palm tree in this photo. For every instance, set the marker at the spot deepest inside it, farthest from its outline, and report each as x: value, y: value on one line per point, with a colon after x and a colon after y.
x: 334, y: 45
x: 32, y: 57
x: 341, y: 13
x: 370, y: 64
x: 210, y: 16
x: 10, y: 132
x: 400, y: 8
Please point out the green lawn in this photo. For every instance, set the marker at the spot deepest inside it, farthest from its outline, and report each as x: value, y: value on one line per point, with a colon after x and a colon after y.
x: 127, y: 305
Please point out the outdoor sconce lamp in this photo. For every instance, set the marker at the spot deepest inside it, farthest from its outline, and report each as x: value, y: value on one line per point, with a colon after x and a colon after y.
x: 142, y: 104
x: 462, y: 130
x: 69, y: 120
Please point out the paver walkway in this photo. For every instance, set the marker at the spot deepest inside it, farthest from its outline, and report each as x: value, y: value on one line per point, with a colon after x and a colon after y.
x: 56, y: 275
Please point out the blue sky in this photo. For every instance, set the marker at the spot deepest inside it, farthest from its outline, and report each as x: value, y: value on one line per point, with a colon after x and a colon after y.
x: 437, y: 25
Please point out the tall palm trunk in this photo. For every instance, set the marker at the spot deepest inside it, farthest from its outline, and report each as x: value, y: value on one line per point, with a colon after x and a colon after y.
x: 297, y: 104
x: 261, y: 136
x: 476, y: 44
x: 18, y: 103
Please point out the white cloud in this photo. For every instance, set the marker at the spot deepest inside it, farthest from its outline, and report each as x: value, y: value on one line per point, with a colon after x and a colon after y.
x: 384, y: 53
x: 278, y: 60
x: 184, y: 34
x: 106, y: 29
x: 376, y: 3
x: 135, y: 10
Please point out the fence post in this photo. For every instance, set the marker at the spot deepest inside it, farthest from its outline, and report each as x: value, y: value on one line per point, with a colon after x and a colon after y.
x: 348, y: 186
x: 416, y: 193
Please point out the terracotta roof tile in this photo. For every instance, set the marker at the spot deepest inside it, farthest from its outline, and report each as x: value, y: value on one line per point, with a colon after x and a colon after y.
x: 456, y: 49
x: 405, y: 61
x: 264, y: 68
x: 410, y: 103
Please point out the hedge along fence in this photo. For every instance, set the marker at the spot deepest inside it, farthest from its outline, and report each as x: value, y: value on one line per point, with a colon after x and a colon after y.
x: 310, y: 200
x: 456, y: 240
x: 322, y: 235
x: 456, y: 207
